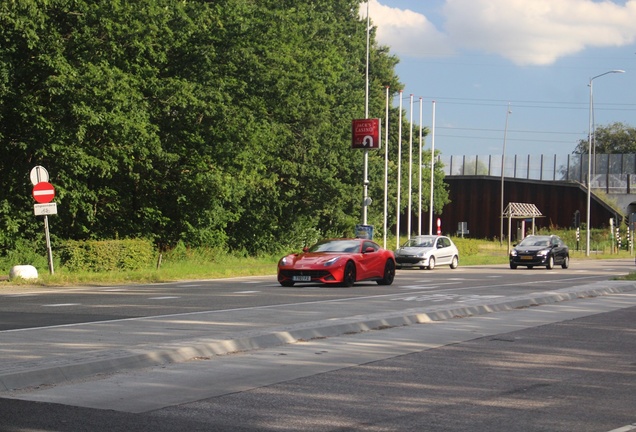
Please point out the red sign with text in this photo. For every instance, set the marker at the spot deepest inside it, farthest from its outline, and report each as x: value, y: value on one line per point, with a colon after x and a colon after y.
x: 365, y: 133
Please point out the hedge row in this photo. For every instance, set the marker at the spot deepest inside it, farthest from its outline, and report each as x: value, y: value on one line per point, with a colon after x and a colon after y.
x: 106, y: 255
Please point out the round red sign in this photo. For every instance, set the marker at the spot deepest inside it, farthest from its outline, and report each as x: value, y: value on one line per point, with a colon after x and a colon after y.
x: 43, y: 192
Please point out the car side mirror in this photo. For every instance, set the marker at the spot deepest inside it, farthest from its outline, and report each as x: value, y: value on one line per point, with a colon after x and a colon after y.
x: 305, y: 249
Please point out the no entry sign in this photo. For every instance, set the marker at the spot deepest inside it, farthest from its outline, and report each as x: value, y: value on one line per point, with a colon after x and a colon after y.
x: 43, y: 192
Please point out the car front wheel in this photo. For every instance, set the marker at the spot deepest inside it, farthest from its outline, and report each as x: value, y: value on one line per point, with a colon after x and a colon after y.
x: 513, y: 265
x: 454, y: 262
x: 349, y: 277
x: 550, y: 265
x: 431, y: 263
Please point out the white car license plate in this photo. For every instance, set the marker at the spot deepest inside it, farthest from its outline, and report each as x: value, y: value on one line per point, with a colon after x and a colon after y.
x: 301, y: 278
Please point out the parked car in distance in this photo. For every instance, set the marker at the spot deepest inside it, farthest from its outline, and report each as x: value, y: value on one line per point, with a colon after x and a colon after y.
x: 427, y: 251
x: 540, y: 250
x: 338, y: 262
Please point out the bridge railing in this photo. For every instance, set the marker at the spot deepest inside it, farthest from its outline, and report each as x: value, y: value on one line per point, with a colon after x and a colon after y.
x: 613, y: 173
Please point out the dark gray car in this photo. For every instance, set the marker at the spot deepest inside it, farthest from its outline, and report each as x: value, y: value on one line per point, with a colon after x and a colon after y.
x: 540, y: 250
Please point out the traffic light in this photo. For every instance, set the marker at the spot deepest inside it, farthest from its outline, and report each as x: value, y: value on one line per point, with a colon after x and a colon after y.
x: 577, y: 219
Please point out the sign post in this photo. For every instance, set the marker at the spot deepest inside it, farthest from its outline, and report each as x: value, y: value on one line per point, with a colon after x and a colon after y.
x: 365, y: 134
x: 43, y: 193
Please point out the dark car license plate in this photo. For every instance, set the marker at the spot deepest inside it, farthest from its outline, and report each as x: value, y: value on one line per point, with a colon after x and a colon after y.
x: 301, y: 278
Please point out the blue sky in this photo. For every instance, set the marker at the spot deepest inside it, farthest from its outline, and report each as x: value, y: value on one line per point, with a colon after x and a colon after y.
x: 473, y: 57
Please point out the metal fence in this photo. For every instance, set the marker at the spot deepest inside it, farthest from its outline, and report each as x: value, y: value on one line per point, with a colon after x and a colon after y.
x: 613, y: 173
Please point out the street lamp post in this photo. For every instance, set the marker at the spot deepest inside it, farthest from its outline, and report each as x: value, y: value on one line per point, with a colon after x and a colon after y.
x: 589, y: 160
x: 503, y: 164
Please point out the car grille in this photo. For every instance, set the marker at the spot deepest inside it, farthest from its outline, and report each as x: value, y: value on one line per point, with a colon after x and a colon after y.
x: 315, y: 274
x: 407, y: 260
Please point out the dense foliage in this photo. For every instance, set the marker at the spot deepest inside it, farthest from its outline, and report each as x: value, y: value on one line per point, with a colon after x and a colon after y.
x: 221, y: 124
x: 615, y: 138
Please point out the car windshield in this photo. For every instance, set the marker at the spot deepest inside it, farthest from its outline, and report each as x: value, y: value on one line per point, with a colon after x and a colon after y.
x: 535, y: 241
x: 349, y: 246
x: 423, y: 242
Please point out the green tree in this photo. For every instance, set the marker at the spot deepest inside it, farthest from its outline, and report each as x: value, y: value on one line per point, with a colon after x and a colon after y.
x: 615, y: 138
x: 222, y: 124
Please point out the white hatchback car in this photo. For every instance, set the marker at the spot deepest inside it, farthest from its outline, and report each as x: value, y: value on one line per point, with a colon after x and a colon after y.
x: 427, y: 252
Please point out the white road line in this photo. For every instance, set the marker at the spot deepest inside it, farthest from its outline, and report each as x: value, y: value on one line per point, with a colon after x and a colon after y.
x: 627, y: 428
x: 61, y: 304
x: 417, y: 287
x: 246, y: 292
x: 273, y: 306
x: 163, y: 298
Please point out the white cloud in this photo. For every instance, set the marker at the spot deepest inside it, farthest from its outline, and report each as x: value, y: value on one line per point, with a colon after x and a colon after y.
x: 536, y: 32
x: 407, y: 33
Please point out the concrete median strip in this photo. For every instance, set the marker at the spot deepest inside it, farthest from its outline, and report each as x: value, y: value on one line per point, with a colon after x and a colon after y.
x: 49, y: 356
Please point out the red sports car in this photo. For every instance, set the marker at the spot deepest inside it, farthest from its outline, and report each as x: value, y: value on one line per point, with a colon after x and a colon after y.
x: 338, y: 261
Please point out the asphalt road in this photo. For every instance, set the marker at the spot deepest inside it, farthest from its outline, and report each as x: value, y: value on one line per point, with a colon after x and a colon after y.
x: 560, y: 367
x: 26, y: 308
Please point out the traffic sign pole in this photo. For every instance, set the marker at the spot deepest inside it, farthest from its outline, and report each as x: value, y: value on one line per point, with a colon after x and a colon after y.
x: 49, y: 252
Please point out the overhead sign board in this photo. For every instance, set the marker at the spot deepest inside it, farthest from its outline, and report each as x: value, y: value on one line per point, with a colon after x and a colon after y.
x: 45, y: 209
x: 365, y: 133
x: 43, y: 192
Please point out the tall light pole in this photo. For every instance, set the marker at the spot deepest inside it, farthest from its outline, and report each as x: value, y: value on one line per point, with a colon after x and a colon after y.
x: 431, y: 194
x: 365, y: 185
x: 589, y: 161
x: 410, y: 200
x: 503, y: 165
x: 419, y: 188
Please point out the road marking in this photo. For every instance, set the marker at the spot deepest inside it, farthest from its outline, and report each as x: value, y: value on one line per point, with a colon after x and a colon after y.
x: 246, y: 292
x: 627, y: 428
x: 427, y: 286
x: 163, y: 298
x: 417, y: 287
x: 273, y: 306
x: 61, y: 304
x: 447, y: 297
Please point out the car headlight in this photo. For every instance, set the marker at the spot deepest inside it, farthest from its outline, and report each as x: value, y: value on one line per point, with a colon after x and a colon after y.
x: 513, y: 253
x: 332, y: 261
x: 283, y: 261
x: 543, y: 252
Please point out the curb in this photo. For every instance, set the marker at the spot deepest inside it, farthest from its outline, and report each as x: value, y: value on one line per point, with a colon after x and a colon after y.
x: 278, y: 336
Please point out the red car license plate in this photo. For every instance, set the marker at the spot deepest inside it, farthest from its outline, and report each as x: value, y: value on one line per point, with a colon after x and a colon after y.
x: 301, y: 278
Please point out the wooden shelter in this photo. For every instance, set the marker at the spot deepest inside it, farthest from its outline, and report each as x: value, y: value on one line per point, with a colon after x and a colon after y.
x: 520, y: 211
